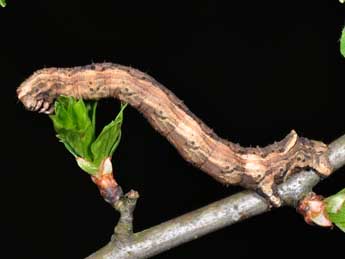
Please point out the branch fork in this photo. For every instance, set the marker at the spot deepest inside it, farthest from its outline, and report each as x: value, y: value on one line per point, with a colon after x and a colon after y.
x: 125, y: 206
x: 113, y: 194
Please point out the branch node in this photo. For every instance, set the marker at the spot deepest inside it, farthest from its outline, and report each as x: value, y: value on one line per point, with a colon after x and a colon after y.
x: 125, y: 206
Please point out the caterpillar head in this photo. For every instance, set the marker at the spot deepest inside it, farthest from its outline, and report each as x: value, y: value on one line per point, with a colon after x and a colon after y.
x: 38, y: 92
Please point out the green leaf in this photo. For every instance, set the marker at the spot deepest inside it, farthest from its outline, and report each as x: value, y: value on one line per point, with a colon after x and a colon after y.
x: 3, y: 3
x: 92, y: 108
x: 87, y: 166
x: 335, y: 206
x: 342, y: 43
x: 73, y: 125
x: 75, y: 122
x: 108, y: 140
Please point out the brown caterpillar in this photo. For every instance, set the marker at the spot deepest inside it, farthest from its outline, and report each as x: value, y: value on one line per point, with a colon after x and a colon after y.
x: 255, y: 168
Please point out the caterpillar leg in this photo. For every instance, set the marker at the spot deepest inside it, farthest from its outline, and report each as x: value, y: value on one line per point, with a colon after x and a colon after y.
x: 267, y: 188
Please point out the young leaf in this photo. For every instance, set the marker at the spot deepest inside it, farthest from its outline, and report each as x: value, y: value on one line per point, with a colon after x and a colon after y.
x: 108, y: 140
x: 87, y: 166
x: 335, y: 206
x: 342, y: 43
x: 73, y: 125
x: 3, y: 3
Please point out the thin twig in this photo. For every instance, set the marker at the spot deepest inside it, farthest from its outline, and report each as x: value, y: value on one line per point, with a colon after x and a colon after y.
x: 125, y: 205
x: 216, y: 215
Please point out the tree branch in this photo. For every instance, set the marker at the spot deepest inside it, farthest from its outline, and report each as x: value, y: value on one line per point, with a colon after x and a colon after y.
x: 216, y: 215
x: 254, y: 168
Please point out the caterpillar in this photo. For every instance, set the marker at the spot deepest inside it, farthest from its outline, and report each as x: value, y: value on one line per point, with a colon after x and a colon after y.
x: 259, y: 168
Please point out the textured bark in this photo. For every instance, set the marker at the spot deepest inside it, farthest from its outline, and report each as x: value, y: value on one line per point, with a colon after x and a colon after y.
x: 216, y: 215
x: 255, y: 168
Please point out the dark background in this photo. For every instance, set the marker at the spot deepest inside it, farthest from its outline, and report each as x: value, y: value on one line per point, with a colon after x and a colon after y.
x: 252, y: 70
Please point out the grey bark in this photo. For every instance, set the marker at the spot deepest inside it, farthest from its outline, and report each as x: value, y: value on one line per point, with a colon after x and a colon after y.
x: 216, y: 215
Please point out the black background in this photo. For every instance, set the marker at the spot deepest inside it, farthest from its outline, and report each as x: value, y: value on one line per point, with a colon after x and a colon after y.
x: 252, y: 70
